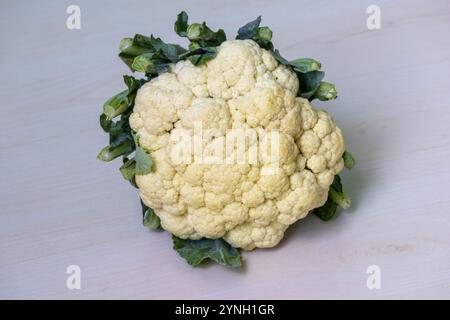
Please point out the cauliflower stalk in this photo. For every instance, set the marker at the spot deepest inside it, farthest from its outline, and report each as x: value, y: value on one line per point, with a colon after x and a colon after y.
x: 214, y: 208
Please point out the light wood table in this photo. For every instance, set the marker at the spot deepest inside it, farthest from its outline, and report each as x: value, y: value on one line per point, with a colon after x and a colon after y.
x: 61, y: 207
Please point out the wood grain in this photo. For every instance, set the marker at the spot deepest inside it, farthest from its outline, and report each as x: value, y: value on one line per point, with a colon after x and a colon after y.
x: 60, y: 206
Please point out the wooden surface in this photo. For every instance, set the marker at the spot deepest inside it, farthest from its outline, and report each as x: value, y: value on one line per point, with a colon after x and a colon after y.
x: 61, y: 207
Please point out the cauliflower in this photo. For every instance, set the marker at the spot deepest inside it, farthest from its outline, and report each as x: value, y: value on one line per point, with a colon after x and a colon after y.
x: 210, y: 92
x: 242, y: 87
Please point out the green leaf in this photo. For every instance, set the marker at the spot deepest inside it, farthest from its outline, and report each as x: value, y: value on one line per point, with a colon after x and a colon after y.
x: 197, y: 251
x: 349, y: 161
x: 279, y: 58
x: 264, y: 34
x: 129, y: 49
x: 116, y: 105
x: 326, y: 91
x: 198, y: 60
x: 305, y: 65
x: 204, y: 36
x: 116, y: 139
x: 169, y: 51
x: 172, y: 51
x: 249, y: 30
x: 149, y: 218
x: 193, y: 46
x: 142, y: 41
x: 202, y: 40
x: 109, y: 153
x: 147, y: 62
x: 127, y: 59
x: 181, y: 24
x: 147, y: 47
x: 133, y: 47
x: 157, y: 62
x: 132, y: 83
x: 263, y: 37
x: 341, y: 199
x: 119, y: 131
x: 338, y: 195
x: 310, y: 78
x: 199, y: 34
x: 337, y: 184
x: 128, y: 169
x: 199, y: 56
x: 128, y: 46
x: 105, y: 123
x: 327, y: 211
x: 309, y: 82
x: 143, y: 160
x: 143, y: 63
x: 197, y: 51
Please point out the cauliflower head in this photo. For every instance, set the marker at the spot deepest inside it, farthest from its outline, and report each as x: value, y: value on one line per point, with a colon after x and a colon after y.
x: 242, y: 87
